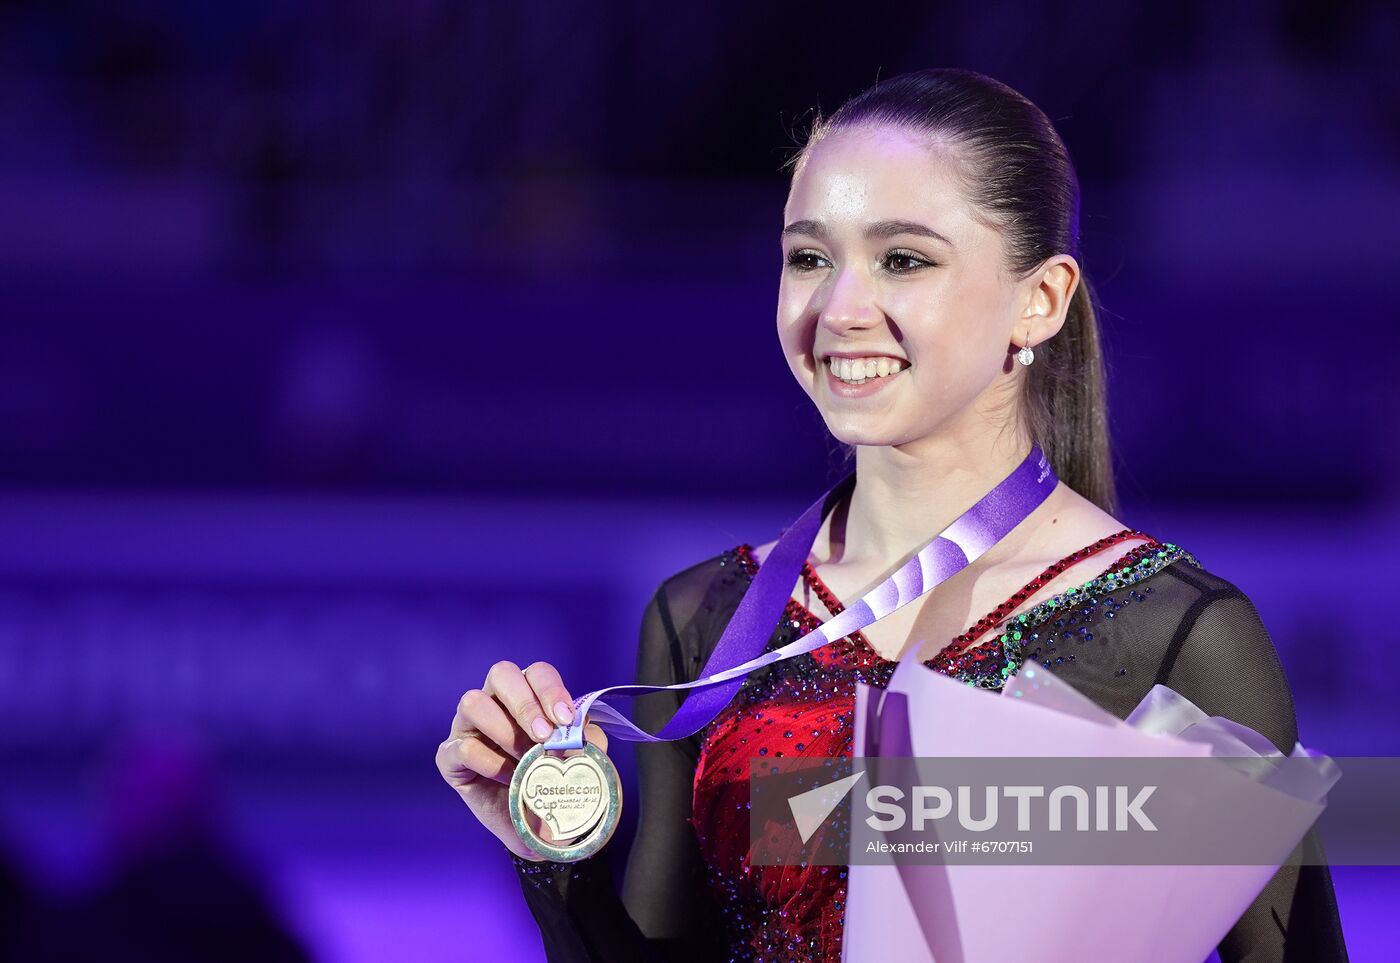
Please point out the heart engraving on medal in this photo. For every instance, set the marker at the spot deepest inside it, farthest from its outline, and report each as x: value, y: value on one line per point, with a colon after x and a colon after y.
x: 567, y: 794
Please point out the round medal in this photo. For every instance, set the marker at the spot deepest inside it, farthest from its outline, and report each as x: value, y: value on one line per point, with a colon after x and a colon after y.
x: 565, y: 808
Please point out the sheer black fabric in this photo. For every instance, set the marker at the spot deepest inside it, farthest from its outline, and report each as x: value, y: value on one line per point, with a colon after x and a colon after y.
x: 1200, y: 635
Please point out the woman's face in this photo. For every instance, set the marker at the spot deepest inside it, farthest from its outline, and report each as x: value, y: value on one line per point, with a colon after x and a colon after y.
x: 864, y: 279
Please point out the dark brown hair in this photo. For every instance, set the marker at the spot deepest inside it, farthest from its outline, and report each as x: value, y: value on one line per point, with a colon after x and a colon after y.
x: 1017, y: 173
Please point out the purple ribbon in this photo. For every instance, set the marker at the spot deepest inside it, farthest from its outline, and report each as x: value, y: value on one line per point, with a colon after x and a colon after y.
x: 739, y: 650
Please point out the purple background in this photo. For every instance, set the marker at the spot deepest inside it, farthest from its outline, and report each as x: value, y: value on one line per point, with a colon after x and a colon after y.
x: 332, y: 330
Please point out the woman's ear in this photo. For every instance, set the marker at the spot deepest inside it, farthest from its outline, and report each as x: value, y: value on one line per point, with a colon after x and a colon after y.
x: 1048, y: 299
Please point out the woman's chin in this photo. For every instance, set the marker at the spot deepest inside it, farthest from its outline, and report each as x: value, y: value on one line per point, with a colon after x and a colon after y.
x: 848, y: 434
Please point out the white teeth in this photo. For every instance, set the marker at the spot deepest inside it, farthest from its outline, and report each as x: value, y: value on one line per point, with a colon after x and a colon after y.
x: 862, y: 370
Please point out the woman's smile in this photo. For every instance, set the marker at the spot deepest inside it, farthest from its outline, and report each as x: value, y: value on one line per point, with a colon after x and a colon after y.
x: 861, y: 377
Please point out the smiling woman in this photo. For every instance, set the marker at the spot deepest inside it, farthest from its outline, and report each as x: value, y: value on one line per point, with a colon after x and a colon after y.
x: 889, y: 253
x: 933, y: 306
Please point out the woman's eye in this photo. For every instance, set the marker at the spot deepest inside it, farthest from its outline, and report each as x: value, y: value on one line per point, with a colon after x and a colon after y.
x: 802, y: 260
x: 913, y: 261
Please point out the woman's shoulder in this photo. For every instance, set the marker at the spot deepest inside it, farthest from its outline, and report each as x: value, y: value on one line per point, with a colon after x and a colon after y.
x: 701, y: 575
x: 1190, y: 580
x: 1206, y: 623
x: 710, y: 586
x: 1218, y: 652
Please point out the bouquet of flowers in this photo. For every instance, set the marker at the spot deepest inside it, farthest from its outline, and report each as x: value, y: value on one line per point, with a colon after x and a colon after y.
x: 956, y: 912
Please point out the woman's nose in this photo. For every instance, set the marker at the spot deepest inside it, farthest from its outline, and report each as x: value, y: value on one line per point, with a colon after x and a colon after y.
x: 850, y: 303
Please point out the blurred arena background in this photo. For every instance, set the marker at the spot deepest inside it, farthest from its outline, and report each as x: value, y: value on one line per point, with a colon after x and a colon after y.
x: 348, y: 348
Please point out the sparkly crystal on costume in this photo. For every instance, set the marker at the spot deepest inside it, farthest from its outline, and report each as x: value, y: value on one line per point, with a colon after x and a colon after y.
x: 805, y: 708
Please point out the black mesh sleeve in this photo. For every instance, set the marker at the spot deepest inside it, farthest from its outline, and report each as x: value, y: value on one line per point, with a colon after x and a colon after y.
x: 1222, y: 658
x: 664, y: 912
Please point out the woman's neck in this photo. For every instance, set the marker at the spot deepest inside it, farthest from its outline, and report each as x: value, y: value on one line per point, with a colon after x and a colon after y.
x: 904, y: 495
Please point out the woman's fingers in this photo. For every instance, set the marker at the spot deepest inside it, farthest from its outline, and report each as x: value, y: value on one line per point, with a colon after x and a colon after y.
x: 467, y: 754
x: 508, y: 685
x: 549, y: 690
x: 509, y: 709
x: 478, y: 711
x: 462, y: 759
x: 592, y: 733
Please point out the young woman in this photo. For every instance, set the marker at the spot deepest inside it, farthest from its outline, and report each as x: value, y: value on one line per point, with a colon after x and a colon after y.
x: 933, y: 307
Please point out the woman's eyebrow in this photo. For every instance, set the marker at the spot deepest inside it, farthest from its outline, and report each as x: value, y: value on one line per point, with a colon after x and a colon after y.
x: 885, y: 228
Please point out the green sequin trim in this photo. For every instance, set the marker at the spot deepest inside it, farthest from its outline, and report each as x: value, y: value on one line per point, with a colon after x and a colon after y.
x: 1012, y: 641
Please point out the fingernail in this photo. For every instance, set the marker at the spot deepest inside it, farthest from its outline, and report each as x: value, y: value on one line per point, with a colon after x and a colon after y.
x: 540, y: 728
x: 564, y: 712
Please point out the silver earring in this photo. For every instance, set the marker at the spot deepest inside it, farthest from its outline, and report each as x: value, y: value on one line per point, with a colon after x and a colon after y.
x: 1025, y: 355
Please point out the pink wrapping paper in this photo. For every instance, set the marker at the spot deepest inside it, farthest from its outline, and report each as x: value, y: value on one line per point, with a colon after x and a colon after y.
x: 972, y: 913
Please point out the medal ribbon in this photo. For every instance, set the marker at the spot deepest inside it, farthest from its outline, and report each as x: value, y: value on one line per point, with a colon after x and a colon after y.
x: 969, y: 536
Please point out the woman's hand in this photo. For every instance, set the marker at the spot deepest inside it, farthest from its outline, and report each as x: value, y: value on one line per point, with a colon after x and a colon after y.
x: 494, y: 726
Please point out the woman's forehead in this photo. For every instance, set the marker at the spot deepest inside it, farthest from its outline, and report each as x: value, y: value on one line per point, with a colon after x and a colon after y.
x: 859, y: 177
